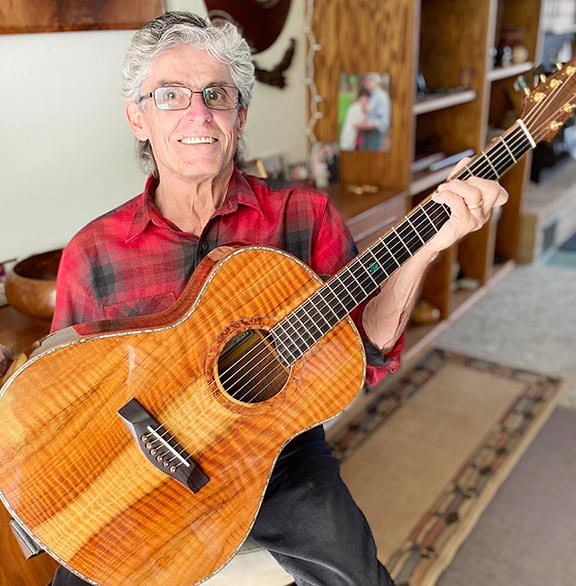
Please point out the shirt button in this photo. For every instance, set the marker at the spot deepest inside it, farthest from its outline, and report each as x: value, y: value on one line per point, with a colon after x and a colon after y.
x: 204, y: 246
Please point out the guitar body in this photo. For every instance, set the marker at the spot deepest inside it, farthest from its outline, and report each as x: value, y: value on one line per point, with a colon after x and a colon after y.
x: 72, y: 472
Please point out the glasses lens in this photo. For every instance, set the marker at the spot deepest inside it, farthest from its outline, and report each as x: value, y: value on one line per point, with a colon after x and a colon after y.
x: 172, y: 98
x: 220, y: 97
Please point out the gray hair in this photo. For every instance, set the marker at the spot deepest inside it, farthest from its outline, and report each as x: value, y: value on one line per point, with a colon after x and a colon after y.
x: 173, y: 29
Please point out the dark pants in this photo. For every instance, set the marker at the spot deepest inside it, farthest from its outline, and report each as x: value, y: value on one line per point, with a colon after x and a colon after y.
x: 309, y: 522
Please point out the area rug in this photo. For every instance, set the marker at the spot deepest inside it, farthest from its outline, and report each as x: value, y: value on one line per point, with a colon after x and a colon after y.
x: 569, y: 244
x: 563, y: 256
x: 428, y: 452
x: 527, y: 534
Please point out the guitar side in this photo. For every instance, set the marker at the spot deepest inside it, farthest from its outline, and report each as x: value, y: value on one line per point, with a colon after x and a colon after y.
x: 72, y: 473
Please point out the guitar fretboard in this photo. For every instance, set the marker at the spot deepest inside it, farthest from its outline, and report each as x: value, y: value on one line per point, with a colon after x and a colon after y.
x: 361, y: 277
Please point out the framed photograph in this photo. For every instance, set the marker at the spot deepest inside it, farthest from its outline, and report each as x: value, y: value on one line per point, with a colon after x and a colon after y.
x: 254, y: 167
x: 364, y: 112
x: 274, y: 167
x: 325, y: 164
x: 24, y: 16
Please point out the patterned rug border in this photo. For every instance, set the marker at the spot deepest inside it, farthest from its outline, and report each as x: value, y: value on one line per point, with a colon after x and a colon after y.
x: 434, y: 540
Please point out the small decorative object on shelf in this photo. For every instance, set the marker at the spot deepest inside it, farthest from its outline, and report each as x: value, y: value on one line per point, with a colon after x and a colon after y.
x: 362, y: 189
x: 298, y: 171
x: 424, y: 313
x: 511, y: 49
x: 6, y: 359
x: 325, y: 164
x: 5, y: 268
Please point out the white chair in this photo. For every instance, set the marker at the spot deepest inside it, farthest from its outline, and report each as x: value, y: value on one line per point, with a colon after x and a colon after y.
x: 251, y: 566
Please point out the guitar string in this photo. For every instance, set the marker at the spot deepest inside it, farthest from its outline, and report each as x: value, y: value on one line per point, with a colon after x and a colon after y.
x: 470, y: 168
x: 128, y: 476
x: 260, y: 373
x: 264, y: 348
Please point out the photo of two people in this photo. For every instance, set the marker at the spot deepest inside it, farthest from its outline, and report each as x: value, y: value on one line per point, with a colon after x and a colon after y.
x: 364, y: 112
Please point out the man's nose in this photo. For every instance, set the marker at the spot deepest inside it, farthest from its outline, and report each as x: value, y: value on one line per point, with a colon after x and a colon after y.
x: 198, y: 109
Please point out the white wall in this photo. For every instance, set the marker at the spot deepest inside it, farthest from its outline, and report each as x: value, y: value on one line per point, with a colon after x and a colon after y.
x: 66, y: 153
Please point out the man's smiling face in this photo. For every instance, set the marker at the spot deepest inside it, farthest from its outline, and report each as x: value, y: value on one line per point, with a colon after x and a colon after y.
x: 197, y: 143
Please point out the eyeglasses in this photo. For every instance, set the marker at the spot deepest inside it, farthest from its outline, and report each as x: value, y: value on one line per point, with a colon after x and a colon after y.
x: 221, y: 97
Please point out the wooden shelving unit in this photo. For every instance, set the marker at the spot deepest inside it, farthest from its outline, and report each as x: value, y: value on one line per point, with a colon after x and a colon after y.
x: 451, y: 45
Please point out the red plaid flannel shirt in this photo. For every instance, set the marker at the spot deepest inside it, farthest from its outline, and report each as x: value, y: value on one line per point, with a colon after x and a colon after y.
x: 132, y: 261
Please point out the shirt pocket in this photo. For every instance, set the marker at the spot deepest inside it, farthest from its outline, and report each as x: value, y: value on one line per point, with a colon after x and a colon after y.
x: 139, y: 306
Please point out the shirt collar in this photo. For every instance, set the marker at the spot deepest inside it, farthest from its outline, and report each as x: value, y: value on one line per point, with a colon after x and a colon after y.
x: 245, y: 190
x: 240, y: 192
x: 145, y: 211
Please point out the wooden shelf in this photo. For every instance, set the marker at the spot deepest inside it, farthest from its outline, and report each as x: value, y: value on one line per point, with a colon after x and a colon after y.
x: 510, y: 71
x: 426, y: 180
x: 433, y: 102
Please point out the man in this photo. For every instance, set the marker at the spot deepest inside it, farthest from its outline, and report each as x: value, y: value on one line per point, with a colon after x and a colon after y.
x: 188, y: 86
x: 373, y: 130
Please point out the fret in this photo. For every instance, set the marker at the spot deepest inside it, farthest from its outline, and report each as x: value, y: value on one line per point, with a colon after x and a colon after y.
x: 374, y: 267
x: 466, y: 173
x: 314, y: 316
x: 514, y: 160
x: 423, y: 209
x: 392, y: 257
x: 414, y: 229
x: 388, y: 261
x: 335, y: 302
x: 402, y: 241
x: 501, y: 161
x: 515, y: 143
x: 305, y: 325
x: 352, y: 286
x: 304, y: 330
x: 505, y: 157
x: 406, y: 234
x: 344, y: 291
x: 327, y: 312
x: 285, y: 351
x: 363, y: 278
x: 494, y: 170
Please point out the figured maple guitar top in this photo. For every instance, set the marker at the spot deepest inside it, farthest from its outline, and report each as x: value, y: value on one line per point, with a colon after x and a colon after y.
x: 73, y: 473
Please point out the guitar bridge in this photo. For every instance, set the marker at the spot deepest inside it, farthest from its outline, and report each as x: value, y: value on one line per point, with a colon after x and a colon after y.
x: 160, y: 448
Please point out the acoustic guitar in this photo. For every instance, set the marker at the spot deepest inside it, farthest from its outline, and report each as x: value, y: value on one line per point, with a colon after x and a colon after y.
x: 138, y: 451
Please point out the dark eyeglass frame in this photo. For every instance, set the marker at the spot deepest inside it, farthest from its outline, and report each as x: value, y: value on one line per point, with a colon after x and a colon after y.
x: 203, y: 92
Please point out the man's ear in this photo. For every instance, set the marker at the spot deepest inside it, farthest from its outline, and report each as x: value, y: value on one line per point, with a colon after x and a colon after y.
x: 135, y: 119
x: 242, y: 115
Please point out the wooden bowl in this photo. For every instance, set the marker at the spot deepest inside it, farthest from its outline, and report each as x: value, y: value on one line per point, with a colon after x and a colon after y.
x: 31, y: 284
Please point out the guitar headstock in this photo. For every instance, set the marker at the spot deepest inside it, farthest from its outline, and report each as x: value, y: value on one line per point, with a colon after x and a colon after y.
x: 551, y: 103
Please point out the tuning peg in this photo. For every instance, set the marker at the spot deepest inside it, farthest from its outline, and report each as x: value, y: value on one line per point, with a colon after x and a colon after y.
x: 559, y: 66
x: 521, y: 84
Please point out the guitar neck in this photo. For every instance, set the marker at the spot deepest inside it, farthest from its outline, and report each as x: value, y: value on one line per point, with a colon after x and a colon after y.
x: 360, y: 278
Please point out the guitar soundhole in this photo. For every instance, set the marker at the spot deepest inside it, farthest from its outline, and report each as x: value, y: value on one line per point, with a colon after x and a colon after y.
x: 249, y: 368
